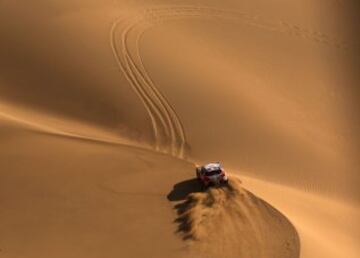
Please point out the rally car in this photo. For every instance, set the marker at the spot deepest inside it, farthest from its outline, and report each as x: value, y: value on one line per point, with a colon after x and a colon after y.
x: 211, y: 174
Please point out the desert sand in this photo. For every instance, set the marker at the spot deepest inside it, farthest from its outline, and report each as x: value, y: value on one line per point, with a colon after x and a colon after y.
x: 106, y: 107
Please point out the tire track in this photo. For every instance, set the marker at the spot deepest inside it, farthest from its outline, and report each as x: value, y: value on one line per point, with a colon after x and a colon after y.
x: 168, y: 131
x: 125, y: 35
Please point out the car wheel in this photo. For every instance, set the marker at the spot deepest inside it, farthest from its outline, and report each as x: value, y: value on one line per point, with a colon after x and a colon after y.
x: 197, y: 173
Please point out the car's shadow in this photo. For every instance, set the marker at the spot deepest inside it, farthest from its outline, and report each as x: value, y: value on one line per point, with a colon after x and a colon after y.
x: 181, y: 190
x: 180, y: 193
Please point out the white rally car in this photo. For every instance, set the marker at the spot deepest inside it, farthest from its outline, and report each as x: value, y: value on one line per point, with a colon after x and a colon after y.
x: 211, y: 174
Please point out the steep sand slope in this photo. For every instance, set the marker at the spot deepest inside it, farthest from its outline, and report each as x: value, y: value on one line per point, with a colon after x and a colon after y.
x: 281, y: 109
x: 268, y: 88
x: 231, y: 221
x: 63, y: 197
x: 57, y: 62
x: 274, y: 99
x: 327, y: 227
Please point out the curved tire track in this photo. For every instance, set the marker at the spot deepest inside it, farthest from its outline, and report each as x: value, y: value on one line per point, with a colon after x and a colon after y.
x: 169, y: 133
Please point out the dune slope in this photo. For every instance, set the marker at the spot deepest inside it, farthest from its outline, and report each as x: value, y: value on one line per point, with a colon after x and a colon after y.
x: 80, y: 198
x: 231, y: 221
x: 63, y: 197
x: 106, y: 105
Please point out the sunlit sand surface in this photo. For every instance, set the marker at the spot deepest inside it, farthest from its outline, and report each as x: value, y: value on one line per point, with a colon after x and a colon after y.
x: 106, y: 106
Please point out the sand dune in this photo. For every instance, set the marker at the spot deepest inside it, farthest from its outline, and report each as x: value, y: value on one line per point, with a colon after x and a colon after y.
x: 106, y: 106
x: 233, y: 222
x: 76, y: 198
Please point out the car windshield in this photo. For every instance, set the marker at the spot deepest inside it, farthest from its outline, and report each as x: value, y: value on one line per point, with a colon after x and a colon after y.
x: 213, y: 173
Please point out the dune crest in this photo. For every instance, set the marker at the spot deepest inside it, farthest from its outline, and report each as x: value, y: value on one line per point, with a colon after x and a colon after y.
x: 100, y: 102
x: 232, y: 222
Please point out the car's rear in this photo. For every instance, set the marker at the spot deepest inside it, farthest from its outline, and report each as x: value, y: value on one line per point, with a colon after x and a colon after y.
x: 212, y: 174
x: 215, y: 177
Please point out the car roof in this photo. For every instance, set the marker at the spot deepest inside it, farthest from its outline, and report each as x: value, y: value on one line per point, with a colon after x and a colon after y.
x: 212, y: 166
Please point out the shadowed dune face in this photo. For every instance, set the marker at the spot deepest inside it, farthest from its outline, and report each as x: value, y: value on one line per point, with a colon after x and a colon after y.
x: 56, y: 61
x: 232, y: 221
x: 264, y: 86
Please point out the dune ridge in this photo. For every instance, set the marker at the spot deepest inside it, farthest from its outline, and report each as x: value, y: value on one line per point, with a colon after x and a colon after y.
x: 59, y: 126
x: 232, y: 221
x: 104, y: 107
